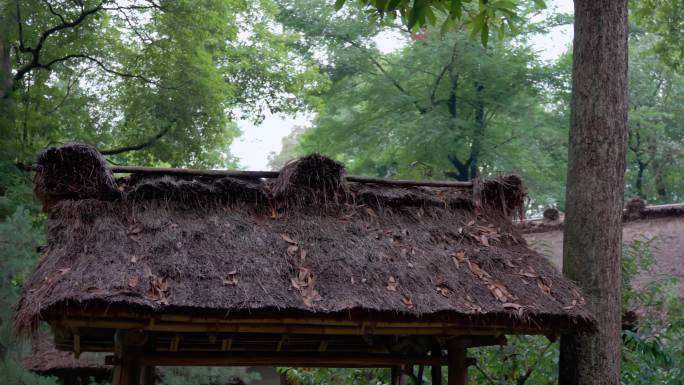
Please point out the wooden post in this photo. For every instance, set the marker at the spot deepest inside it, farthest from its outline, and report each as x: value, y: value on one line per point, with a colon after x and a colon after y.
x: 436, y: 375
x: 398, y: 376
x: 148, y: 375
x: 129, y: 347
x: 127, y: 370
x: 458, y: 364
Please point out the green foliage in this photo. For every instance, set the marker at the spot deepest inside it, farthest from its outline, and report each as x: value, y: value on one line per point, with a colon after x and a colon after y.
x: 443, y: 106
x: 20, y: 234
x: 480, y: 16
x: 205, y: 375
x: 656, y: 128
x: 168, y: 78
x: 664, y: 19
x: 653, y: 351
x: 324, y: 376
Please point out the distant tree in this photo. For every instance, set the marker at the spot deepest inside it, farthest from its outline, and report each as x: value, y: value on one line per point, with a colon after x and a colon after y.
x: 656, y: 125
x: 663, y: 18
x: 167, y: 77
x: 288, y: 151
x: 443, y: 106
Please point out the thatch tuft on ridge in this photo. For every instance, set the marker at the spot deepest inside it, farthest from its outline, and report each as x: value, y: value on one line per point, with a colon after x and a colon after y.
x: 73, y: 171
x: 313, y: 179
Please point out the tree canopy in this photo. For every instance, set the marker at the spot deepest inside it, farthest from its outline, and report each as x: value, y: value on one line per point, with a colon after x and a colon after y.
x: 170, y: 76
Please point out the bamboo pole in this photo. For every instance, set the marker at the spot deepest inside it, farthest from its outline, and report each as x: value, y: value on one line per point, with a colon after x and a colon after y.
x: 332, y: 327
x: 271, y: 329
x: 274, y: 174
x: 323, y: 360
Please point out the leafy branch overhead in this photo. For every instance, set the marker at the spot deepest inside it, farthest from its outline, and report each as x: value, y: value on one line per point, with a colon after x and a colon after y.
x: 479, y: 16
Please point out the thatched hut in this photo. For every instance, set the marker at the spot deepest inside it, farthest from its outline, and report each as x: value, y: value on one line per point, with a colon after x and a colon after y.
x: 46, y: 360
x: 302, y: 267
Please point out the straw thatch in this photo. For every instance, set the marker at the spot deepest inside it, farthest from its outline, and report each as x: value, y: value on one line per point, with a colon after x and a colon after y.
x: 45, y: 359
x: 308, y: 243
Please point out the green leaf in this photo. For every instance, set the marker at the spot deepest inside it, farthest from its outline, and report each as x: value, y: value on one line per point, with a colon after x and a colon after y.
x: 484, y: 34
x: 339, y: 4
x: 393, y: 5
x: 457, y: 8
x: 540, y: 4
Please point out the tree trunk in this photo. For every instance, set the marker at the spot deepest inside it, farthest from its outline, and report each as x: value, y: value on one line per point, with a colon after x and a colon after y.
x: 479, y: 132
x: 595, y: 187
x: 7, y: 111
x: 5, y: 67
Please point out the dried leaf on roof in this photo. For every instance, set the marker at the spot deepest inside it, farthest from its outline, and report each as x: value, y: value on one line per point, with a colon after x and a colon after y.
x: 392, y: 284
x: 230, y: 279
x: 408, y: 303
x: 225, y: 221
x: 287, y: 239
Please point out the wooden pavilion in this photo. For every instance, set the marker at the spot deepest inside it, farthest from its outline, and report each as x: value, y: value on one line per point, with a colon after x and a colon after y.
x: 305, y: 267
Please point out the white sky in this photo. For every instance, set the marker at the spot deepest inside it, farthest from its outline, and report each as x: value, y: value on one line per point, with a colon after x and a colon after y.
x: 257, y: 142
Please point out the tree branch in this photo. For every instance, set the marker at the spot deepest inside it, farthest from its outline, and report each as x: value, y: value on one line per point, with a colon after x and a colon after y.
x: 446, y: 68
x: 52, y: 11
x: 100, y: 64
x: 136, y: 147
x: 522, y: 379
x: 486, y: 376
x: 20, y: 28
x: 389, y: 77
x: 35, y: 51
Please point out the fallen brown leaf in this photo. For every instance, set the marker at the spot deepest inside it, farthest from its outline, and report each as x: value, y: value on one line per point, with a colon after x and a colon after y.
x: 407, y: 302
x: 231, y: 279
x: 574, y: 303
x: 392, y: 284
x: 443, y: 290
x: 135, y: 232
x: 520, y: 309
x: 133, y: 281
x: 292, y: 250
x: 287, y: 239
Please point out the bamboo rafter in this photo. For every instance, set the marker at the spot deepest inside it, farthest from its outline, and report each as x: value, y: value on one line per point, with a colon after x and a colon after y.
x: 274, y: 174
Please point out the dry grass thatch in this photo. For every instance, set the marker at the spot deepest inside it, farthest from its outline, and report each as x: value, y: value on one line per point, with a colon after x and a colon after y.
x: 308, y: 243
x: 44, y: 358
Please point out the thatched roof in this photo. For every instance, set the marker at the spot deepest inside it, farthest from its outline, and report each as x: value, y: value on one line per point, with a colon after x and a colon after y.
x: 308, y: 243
x: 45, y: 358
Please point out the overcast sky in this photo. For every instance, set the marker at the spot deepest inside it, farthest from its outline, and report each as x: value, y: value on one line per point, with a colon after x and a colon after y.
x: 257, y: 141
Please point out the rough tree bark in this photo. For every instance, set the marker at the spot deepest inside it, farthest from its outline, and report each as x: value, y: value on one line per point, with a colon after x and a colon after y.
x: 595, y: 187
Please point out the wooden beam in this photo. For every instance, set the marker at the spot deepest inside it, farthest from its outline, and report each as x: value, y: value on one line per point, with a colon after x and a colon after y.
x: 321, y: 360
x: 274, y: 174
x: 190, y: 327
x: 458, y: 364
